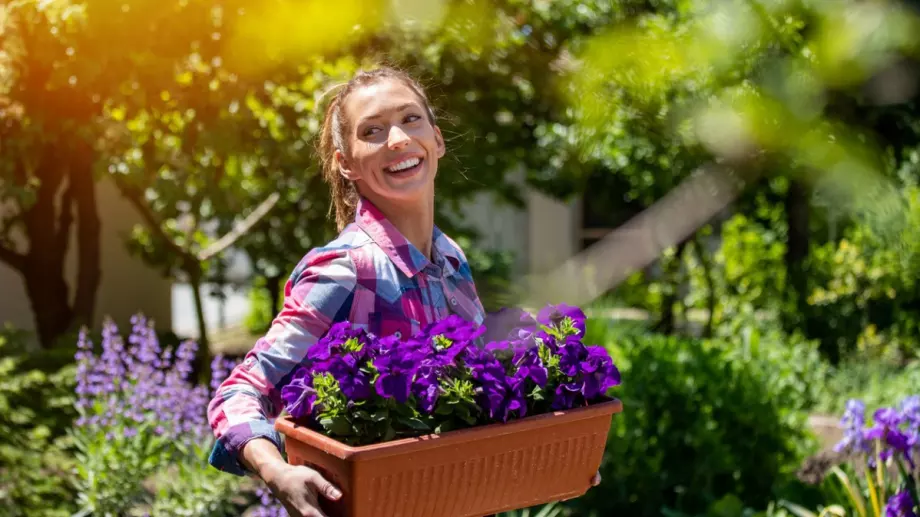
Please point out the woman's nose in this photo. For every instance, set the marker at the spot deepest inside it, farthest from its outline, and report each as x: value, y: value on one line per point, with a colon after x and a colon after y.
x: 397, y: 138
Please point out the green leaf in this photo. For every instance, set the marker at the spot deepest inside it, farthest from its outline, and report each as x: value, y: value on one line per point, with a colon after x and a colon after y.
x: 390, y: 434
x: 415, y: 423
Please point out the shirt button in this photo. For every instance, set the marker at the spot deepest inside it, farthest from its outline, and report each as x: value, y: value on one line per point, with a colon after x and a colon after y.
x: 453, y: 300
x: 398, y: 334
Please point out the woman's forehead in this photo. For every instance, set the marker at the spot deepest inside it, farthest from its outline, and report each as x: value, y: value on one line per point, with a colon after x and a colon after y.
x: 379, y: 99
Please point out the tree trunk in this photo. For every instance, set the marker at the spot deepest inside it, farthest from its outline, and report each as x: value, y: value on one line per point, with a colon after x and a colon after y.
x: 204, y: 347
x: 666, y: 323
x: 89, y: 272
x: 47, y: 224
x: 274, y: 293
x: 797, y: 244
x: 48, y: 297
x: 710, y: 286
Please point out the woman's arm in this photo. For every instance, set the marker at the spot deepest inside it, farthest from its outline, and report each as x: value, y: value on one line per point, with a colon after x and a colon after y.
x: 247, y: 402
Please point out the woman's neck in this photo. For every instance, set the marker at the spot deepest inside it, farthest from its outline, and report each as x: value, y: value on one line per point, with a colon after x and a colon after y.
x: 415, y: 221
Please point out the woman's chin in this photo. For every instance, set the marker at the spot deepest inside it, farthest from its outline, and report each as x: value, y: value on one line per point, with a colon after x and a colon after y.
x: 411, y: 186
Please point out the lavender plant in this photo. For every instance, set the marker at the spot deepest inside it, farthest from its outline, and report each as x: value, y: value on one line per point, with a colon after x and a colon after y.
x: 364, y: 389
x: 890, y: 442
x: 142, y: 435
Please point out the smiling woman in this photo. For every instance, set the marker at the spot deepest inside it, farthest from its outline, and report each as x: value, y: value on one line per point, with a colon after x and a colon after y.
x: 390, y: 271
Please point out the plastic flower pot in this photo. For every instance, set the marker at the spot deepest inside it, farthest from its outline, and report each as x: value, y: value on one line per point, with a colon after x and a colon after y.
x: 469, y: 472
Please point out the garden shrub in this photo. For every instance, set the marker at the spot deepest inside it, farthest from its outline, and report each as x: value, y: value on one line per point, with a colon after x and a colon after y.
x: 702, y: 419
x: 35, y: 410
x: 876, y: 383
x: 142, y: 436
x: 118, y: 433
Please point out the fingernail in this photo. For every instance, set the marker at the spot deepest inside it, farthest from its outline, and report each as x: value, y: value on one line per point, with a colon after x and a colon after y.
x: 335, y: 493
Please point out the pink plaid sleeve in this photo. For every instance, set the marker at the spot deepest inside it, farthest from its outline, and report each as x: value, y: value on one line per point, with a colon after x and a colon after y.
x: 319, y: 292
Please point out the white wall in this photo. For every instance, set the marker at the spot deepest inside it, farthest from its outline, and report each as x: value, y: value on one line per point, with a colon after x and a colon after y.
x: 553, y: 229
x: 501, y: 227
x: 541, y: 235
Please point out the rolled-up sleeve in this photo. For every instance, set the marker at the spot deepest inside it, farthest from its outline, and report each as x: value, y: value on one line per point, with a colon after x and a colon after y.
x: 319, y: 292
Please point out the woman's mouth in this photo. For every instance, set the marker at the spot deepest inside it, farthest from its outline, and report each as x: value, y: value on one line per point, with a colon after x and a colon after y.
x: 407, y: 167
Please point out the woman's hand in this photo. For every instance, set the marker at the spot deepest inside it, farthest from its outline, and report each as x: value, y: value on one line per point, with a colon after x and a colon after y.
x: 299, y: 488
x: 596, y: 480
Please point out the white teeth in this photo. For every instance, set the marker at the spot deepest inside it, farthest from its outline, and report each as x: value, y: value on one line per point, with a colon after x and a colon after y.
x: 403, y: 165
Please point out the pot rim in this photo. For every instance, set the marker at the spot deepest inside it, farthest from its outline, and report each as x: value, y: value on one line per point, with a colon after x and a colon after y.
x: 286, y: 426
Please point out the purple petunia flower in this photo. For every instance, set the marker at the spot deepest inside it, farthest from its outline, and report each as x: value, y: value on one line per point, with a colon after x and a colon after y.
x: 509, y: 323
x: 523, y: 361
x: 397, y: 369
x: 571, y: 353
x: 599, y: 372
x: 566, y: 395
x: 554, y: 315
x: 299, y: 396
x: 427, y: 388
x: 492, y: 382
x: 455, y: 329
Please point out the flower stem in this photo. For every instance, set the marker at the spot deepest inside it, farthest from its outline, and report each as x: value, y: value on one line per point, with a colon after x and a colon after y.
x: 879, y: 471
x: 873, y: 495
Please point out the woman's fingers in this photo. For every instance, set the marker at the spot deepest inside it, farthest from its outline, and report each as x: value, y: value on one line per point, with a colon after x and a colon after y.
x: 323, y: 486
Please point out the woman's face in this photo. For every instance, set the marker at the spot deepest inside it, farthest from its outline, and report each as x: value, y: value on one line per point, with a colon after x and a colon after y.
x: 393, y: 149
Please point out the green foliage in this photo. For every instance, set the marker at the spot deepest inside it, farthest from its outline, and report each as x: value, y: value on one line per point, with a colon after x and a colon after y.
x: 702, y: 419
x: 732, y: 506
x: 752, y: 270
x: 35, y: 408
x: 261, y: 308
x: 877, y: 383
x: 546, y: 510
x: 191, y: 489
x: 492, y: 271
x: 865, y: 298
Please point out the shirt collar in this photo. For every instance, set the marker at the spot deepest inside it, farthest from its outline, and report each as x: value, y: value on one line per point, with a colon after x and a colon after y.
x: 398, y: 249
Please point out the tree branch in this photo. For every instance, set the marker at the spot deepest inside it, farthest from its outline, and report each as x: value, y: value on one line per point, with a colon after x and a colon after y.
x: 133, y: 196
x: 245, y: 225
x: 13, y: 259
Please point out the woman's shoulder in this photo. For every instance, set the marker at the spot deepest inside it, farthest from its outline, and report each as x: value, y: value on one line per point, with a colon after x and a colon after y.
x: 333, y: 256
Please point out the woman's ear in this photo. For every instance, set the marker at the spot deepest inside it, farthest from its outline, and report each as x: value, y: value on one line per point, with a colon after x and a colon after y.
x: 439, y: 138
x: 344, y: 170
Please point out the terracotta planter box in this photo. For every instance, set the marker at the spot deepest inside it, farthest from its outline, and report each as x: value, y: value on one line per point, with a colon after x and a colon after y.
x: 469, y: 472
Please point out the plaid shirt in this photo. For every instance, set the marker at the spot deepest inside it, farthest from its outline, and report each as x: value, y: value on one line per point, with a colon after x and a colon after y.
x: 369, y: 275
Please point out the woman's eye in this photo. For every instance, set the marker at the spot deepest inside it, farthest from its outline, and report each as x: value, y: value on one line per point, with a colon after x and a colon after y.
x: 412, y: 118
x: 371, y: 130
